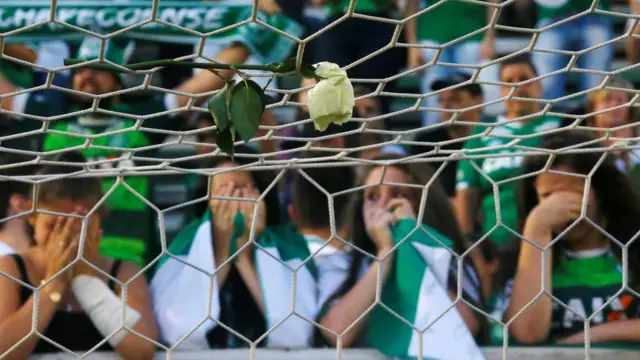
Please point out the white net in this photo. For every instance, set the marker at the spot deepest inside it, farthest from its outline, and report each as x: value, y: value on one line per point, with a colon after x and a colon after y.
x: 478, y: 201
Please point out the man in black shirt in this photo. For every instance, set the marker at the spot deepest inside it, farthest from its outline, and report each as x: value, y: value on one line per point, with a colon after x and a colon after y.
x: 461, y: 97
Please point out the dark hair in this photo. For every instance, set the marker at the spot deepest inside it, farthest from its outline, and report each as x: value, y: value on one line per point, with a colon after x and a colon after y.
x: 72, y: 188
x: 309, y: 200
x: 13, y: 187
x: 617, y: 199
x: 261, y: 178
x: 438, y: 214
x: 522, y: 59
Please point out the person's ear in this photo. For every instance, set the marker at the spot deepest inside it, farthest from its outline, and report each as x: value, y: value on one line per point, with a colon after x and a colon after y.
x: 292, y: 213
x: 18, y: 204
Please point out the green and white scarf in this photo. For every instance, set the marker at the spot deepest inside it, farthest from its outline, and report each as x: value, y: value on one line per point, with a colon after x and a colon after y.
x: 182, y: 300
x: 109, y: 16
x: 416, y: 290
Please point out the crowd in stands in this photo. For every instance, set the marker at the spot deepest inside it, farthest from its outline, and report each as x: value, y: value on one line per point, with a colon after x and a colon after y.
x: 390, y: 237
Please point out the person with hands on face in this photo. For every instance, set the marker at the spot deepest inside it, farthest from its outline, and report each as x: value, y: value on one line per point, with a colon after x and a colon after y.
x: 62, y: 247
x: 378, y: 221
x: 224, y: 213
x: 251, y: 289
x: 554, y: 213
x: 78, y: 306
x: 583, y: 267
x: 380, y: 217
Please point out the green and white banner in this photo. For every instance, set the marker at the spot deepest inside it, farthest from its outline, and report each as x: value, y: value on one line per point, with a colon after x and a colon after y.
x: 185, y: 18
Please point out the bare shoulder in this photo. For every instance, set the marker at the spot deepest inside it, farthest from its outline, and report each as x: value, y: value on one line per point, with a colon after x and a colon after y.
x: 9, y: 268
x: 9, y: 286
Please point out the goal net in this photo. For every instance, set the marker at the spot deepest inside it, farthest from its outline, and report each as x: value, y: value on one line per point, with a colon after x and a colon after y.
x: 480, y: 199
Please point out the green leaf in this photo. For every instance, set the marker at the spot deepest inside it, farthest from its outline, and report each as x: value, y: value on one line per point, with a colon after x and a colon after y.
x: 225, y: 140
x: 308, y: 71
x: 219, y: 106
x: 246, y: 108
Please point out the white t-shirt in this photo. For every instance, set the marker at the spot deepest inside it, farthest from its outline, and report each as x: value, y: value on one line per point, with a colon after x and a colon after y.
x: 6, y: 249
x: 333, y: 266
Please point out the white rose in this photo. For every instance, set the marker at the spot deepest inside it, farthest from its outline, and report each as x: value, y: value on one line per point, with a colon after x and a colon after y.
x: 332, y: 99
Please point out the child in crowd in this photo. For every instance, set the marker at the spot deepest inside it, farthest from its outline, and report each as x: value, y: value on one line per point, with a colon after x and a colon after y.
x: 325, y: 238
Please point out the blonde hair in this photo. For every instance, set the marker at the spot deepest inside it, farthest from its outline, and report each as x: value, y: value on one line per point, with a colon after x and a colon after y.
x: 615, y: 84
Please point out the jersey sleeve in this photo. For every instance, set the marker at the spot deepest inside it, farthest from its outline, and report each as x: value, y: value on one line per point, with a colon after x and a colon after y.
x: 333, y: 270
x: 467, y: 176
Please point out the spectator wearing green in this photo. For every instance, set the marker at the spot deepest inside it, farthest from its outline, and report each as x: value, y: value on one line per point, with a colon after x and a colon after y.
x: 475, y: 197
x: 585, y: 31
x: 128, y: 230
x: 584, y: 267
x: 444, y: 23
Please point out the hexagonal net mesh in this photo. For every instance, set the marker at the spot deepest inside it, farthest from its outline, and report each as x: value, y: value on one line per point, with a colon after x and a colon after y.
x: 484, y: 195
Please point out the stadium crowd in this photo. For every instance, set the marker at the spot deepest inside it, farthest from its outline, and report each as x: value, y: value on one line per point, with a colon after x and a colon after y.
x: 400, y: 227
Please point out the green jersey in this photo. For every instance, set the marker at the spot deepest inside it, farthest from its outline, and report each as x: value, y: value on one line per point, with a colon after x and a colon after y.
x: 338, y: 7
x: 450, y: 20
x: 500, y: 169
x: 128, y: 228
x: 18, y: 75
x: 560, y: 9
x: 583, y: 282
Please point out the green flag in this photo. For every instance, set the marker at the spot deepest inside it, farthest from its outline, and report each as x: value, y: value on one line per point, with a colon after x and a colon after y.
x: 416, y: 291
x: 189, y: 22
